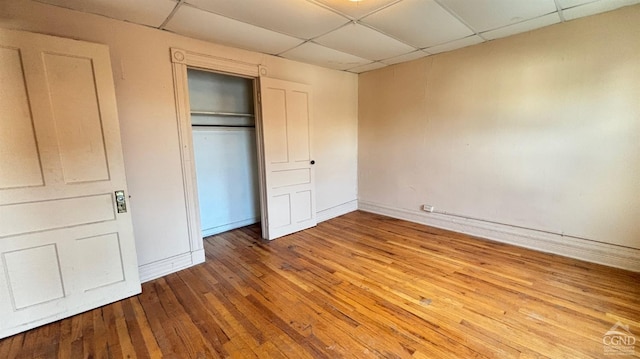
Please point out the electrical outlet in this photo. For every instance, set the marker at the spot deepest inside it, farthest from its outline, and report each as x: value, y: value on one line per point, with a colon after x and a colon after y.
x: 427, y: 208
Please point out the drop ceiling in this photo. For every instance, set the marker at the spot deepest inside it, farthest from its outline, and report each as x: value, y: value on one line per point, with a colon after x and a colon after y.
x: 354, y: 36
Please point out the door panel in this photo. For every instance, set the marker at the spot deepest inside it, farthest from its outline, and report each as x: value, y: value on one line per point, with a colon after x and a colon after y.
x: 303, y: 204
x: 18, y: 149
x: 275, y: 116
x: 289, y: 176
x: 101, y: 261
x: 76, y: 116
x: 45, y: 215
x: 298, y: 108
x: 26, y: 288
x: 64, y: 248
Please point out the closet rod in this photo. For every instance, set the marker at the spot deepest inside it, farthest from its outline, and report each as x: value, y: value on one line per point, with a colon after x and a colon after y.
x: 247, y: 126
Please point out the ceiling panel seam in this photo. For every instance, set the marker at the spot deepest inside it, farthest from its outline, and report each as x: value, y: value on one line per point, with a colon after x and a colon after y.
x: 379, y: 9
x: 328, y: 32
x: 387, y: 35
x: 459, y: 18
x: 244, y: 22
x: 559, y: 9
x: 353, y: 17
x: 171, y: 14
x: 519, y: 22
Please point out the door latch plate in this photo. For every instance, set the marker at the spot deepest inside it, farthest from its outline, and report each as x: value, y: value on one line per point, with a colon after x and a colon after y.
x: 121, y: 202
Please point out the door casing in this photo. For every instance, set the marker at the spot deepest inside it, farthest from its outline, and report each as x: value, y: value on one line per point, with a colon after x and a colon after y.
x: 181, y: 60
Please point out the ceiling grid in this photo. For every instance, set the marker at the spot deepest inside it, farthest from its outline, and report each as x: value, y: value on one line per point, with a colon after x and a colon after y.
x: 355, y: 36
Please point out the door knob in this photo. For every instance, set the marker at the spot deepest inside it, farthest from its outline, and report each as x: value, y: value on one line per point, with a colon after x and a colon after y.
x: 313, y: 162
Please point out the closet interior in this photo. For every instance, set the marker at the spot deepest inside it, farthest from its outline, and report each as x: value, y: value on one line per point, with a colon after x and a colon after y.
x: 224, y: 144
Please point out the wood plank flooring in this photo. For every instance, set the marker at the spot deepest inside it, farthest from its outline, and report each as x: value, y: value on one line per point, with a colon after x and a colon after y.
x: 358, y: 286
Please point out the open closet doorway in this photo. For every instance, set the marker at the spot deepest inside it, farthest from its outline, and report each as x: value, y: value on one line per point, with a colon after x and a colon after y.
x: 282, y: 122
x: 224, y: 145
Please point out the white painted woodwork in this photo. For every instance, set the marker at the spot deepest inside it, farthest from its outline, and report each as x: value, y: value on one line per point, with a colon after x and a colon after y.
x: 289, y: 188
x: 76, y: 116
x: 23, y: 265
x: 63, y: 247
x: 180, y: 60
x: 18, y: 152
x: 50, y: 214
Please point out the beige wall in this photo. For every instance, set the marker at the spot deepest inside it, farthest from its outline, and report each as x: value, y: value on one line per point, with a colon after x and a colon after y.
x: 144, y: 90
x: 539, y: 130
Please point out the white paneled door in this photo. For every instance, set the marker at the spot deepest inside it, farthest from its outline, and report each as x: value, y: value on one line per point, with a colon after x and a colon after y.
x: 289, y: 188
x: 66, y: 242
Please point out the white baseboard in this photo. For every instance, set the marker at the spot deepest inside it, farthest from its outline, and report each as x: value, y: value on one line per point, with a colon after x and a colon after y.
x: 197, y: 256
x: 591, y: 251
x: 166, y: 266
x: 227, y: 227
x: 339, y: 210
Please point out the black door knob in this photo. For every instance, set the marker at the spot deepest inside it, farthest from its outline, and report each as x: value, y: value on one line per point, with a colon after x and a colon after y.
x: 313, y: 162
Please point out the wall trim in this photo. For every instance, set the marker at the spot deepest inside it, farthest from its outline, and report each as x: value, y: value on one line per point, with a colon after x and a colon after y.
x: 169, y: 265
x: 335, y: 211
x: 197, y: 257
x: 590, y: 251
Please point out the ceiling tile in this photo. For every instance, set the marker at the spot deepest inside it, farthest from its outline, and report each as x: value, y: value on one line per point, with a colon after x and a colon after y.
x: 356, y: 9
x: 424, y: 23
x: 367, y: 67
x: 297, y: 18
x: 204, y: 25
x: 522, y: 27
x: 362, y: 41
x: 467, y: 41
x: 565, y: 4
x: 596, y: 8
x: 145, y: 12
x: 406, y: 57
x: 323, y: 56
x: 483, y: 15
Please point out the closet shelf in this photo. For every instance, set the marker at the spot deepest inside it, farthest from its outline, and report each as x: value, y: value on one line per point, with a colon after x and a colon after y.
x: 238, y: 126
x: 216, y: 113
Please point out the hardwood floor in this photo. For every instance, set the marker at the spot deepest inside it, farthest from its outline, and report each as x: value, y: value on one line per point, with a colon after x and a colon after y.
x: 358, y: 286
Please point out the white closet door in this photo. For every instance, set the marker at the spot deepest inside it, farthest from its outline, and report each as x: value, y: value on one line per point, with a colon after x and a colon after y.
x: 64, y: 246
x: 288, y: 164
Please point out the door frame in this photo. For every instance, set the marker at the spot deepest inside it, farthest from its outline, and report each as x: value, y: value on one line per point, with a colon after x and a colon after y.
x: 182, y: 60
